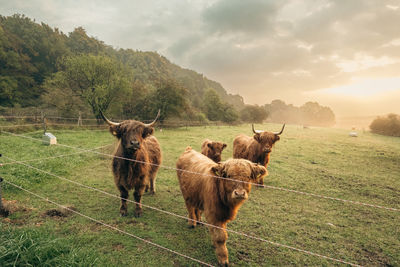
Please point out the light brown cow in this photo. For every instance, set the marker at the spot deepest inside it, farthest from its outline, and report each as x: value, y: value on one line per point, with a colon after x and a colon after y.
x: 218, y: 198
x: 212, y: 149
x: 135, y: 141
x: 257, y: 149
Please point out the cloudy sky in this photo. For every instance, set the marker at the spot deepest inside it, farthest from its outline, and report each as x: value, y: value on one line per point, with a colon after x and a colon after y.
x: 344, y: 54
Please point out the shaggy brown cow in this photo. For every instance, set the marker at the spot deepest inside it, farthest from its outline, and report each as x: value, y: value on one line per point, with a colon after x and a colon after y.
x: 257, y: 148
x: 212, y: 149
x: 135, y: 141
x: 218, y: 198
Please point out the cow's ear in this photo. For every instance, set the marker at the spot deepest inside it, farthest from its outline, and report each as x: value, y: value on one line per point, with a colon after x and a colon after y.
x: 258, y: 171
x: 224, y: 145
x: 257, y: 136
x: 209, y: 145
x: 217, y: 169
x: 147, y: 131
x: 116, y: 130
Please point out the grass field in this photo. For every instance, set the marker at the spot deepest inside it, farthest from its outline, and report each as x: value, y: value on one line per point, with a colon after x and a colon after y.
x: 317, y: 160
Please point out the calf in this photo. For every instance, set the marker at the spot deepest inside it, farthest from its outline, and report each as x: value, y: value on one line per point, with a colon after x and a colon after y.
x: 257, y: 148
x: 135, y: 141
x: 217, y: 190
x: 212, y: 149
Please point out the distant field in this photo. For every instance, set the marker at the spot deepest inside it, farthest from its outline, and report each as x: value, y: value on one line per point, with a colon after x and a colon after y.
x: 358, y: 122
x: 316, y: 160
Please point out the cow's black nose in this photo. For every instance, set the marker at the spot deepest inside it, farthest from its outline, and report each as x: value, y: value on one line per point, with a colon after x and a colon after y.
x: 135, y: 143
x: 240, y: 193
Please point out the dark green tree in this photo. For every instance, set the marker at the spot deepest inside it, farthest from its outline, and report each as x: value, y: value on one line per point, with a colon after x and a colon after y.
x: 170, y: 99
x: 253, y: 113
x: 99, y: 80
x: 216, y: 110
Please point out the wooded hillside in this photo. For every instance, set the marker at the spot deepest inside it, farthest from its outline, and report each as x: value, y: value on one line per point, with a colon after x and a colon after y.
x: 66, y: 74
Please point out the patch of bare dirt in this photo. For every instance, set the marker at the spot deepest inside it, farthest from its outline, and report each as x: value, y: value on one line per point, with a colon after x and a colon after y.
x: 118, y: 247
x: 60, y: 212
x: 12, y: 206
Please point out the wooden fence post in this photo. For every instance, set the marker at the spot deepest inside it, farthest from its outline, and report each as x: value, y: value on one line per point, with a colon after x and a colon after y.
x: 3, y: 211
x: 80, y: 119
x: 44, y: 122
x: 1, y: 201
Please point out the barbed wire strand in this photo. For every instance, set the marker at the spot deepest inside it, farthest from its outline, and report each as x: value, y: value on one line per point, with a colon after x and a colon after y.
x: 226, y: 178
x: 52, y: 157
x: 186, y: 218
x: 110, y: 226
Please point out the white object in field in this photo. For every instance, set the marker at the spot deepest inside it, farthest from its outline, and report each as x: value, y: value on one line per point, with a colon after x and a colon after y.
x: 49, y: 139
x: 353, y: 134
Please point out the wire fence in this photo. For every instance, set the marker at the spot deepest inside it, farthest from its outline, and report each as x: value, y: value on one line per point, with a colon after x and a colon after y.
x: 92, y: 122
x: 83, y: 150
x: 53, y: 157
x: 189, y: 219
x: 109, y: 226
x: 223, y: 178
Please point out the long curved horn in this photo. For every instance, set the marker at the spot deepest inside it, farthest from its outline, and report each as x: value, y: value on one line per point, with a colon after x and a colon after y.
x: 255, y: 131
x: 155, y: 120
x: 283, y: 127
x: 107, y: 120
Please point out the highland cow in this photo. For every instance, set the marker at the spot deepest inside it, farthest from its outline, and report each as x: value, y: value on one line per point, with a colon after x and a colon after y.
x: 136, y: 142
x: 257, y: 149
x: 212, y: 149
x: 217, y: 190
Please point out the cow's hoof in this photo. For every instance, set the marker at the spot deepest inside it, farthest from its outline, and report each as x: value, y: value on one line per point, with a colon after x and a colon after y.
x: 123, y: 213
x: 138, y: 214
x: 152, y: 192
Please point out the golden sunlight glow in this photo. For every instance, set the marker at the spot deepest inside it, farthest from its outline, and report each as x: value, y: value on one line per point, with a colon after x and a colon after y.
x: 362, y: 88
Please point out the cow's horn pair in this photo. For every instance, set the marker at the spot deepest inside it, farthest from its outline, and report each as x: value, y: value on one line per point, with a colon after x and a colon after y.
x: 257, y: 131
x: 116, y: 124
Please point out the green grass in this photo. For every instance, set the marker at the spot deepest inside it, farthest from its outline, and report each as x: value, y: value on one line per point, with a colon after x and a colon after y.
x: 318, y: 160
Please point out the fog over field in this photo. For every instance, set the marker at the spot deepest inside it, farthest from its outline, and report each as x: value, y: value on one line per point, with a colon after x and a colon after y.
x: 343, y: 54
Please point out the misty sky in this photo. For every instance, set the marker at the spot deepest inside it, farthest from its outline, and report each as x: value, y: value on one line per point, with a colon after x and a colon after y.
x: 344, y: 54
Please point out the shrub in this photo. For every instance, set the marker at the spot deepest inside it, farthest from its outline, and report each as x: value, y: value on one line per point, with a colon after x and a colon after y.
x: 389, y: 125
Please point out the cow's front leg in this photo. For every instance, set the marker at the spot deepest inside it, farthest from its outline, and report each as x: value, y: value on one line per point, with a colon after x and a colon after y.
x: 219, y: 237
x: 139, y: 189
x: 198, y: 216
x: 123, y: 210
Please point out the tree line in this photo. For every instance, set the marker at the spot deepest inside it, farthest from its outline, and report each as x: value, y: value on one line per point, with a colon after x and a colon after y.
x: 71, y: 73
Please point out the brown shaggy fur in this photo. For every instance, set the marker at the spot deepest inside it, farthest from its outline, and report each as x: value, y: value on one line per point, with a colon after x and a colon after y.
x: 219, y: 199
x: 129, y: 175
x: 212, y: 149
x: 257, y: 149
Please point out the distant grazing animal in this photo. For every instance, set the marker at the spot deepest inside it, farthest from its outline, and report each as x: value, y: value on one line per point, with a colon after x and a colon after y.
x: 218, y: 198
x: 212, y: 149
x: 135, y: 141
x: 257, y: 148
